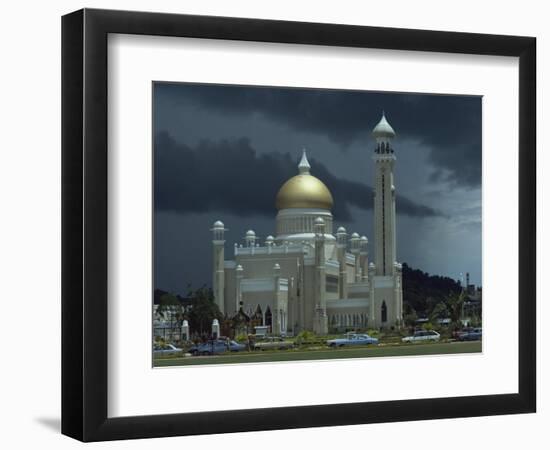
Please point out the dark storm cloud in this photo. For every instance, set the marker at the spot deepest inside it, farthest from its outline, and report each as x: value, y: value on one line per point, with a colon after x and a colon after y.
x: 230, y: 176
x: 449, y: 125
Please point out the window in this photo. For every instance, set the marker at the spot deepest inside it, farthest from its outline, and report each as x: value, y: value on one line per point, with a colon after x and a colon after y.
x: 268, y: 317
x: 384, y: 312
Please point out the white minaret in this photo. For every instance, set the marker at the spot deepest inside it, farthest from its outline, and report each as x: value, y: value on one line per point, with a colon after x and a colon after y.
x: 341, y: 239
x: 364, y: 258
x: 384, y: 199
x: 386, y: 303
x: 250, y: 238
x: 218, y: 275
x: 355, y: 244
x: 321, y: 323
x: 276, y: 325
x: 238, y: 287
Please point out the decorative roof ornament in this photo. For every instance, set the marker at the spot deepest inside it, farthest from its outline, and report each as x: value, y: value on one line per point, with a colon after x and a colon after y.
x: 304, y: 166
x: 383, y: 129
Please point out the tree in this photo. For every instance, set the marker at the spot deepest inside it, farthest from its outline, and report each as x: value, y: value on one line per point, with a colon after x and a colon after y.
x: 203, y: 310
x: 170, y: 304
x: 455, y: 302
x: 440, y: 311
x: 410, y: 318
x: 422, y: 291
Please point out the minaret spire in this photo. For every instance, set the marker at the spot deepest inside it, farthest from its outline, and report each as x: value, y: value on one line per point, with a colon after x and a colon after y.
x: 304, y: 166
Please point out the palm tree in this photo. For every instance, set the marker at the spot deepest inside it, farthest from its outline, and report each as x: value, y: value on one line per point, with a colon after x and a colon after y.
x: 455, y: 303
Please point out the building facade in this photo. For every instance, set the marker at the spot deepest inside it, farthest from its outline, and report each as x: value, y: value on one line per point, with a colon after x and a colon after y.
x: 308, y: 277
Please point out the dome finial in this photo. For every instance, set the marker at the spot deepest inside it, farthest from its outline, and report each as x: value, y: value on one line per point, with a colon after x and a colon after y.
x: 304, y: 166
x: 383, y: 129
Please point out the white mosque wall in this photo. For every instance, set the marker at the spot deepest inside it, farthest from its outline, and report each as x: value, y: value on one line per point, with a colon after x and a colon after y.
x: 386, y: 295
x: 358, y: 290
x: 347, y: 313
x: 262, y: 266
x: 295, y: 223
x: 231, y: 302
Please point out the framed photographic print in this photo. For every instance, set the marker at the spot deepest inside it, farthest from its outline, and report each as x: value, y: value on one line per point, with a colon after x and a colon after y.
x: 337, y: 221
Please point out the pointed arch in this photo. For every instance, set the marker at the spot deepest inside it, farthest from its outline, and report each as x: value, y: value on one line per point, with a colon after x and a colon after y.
x: 258, y: 316
x: 384, y: 312
x: 268, y: 317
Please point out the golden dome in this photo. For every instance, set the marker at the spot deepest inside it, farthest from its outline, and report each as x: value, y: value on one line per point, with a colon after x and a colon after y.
x: 304, y: 191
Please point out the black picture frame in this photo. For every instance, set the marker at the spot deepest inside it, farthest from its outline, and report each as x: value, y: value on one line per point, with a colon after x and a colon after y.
x: 84, y: 224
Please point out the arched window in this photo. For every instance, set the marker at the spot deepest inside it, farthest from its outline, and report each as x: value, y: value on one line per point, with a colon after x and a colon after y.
x: 257, y: 317
x: 268, y: 317
x: 384, y: 312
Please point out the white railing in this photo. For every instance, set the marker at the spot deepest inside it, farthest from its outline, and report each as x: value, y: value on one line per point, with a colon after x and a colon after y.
x: 271, y: 249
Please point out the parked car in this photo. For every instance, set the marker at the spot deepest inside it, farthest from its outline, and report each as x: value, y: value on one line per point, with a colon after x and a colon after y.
x: 167, y: 349
x: 457, y: 333
x: 273, y: 343
x: 215, y: 347
x: 472, y: 335
x: 422, y: 336
x: 352, y: 339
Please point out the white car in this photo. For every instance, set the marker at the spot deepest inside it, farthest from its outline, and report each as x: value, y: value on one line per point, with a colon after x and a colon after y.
x: 422, y: 336
x: 167, y: 349
x: 353, y: 339
x: 273, y: 342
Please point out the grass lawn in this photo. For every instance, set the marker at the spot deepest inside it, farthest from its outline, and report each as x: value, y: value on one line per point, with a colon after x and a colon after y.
x: 305, y: 355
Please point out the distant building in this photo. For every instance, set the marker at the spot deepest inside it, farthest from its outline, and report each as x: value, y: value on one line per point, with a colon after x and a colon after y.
x: 307, y: 278
x: 472, y: 303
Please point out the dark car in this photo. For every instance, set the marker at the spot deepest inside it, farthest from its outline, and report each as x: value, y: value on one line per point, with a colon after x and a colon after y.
x: 474, y: 334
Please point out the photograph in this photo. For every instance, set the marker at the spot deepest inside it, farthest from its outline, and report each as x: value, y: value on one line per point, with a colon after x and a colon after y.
x: 297, y: 223
x: 265, y: 225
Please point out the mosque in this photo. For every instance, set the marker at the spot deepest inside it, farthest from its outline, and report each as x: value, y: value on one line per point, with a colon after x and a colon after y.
x: 307, y: 277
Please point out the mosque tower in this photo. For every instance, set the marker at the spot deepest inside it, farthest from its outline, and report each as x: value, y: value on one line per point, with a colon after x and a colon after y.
x: 387, y: 300
x: 218, y: 281
x: 384, y: 199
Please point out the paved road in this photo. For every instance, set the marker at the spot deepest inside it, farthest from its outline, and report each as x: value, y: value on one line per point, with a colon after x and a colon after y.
x: 349, y: 352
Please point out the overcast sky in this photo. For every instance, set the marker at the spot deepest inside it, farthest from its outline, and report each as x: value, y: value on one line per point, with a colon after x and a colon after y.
x: 222, y: 153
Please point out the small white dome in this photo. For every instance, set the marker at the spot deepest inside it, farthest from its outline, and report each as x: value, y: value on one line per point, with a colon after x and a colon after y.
x: 218, y: 224
x: 250, y: 233
x: 269, y: 238
x: 239, y: 268
x: 355, y: 236
x: 383, y: 129
x: 364, y: 239
x: 341, y: 230
x: 319, y: 221
x: 276, y: 266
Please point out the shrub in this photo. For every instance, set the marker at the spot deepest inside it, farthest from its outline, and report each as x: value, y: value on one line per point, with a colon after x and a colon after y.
x: 241, y: 337
x: 305, y: 336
